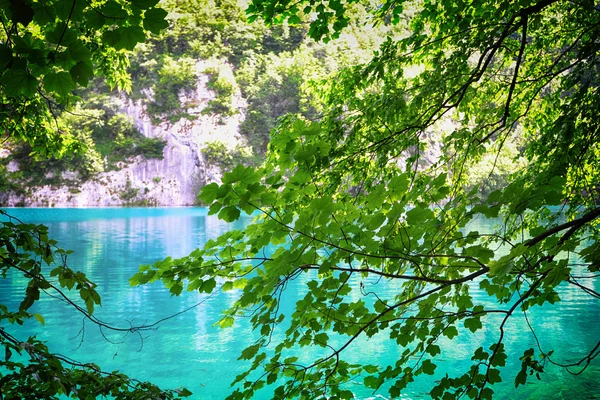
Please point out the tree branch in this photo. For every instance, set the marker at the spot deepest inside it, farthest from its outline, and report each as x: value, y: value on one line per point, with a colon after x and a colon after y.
x: 573, y: 225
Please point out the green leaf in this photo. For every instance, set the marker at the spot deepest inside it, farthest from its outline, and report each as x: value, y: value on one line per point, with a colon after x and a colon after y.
x: 473, y: 324
x: 494, y: 376
x: 40, y: 319
x: 226, y: 322
x: 240, y: 174
x: 499, y: 359
x: 321, y: 339
x: 69, y: 10
x: 82, y: 72
x: 371, y: 369
x: 501, y: 267
x: 5, y: 56
x: 32, y: 294
x: 112, y: 9
x: 428, y: 367
x: 112, y: 37
x: 21, y: 12
x: 183, y: 392
x: 433, y: 349
x: 95, y: 297
x: 144, y: 4
x: 129, y: 37
x: 451, y: 332
x: 521, y: 378
x: 240, y: 283
x: 418, y: 215
x: 59, y: 83
x: 44, y: 13
x: 229, y: 214
x: 208, y: 286
x: 271, y: 378
x: 176, y: 289
x: 249, y: 352
x: 480, y: 354
x: 89, y: 304
x: 94, y: 20
x: 294, y: 20
x: 17, y: 82
x: 154, y: 20
x: 59, y: 35
x: 79, y: 52
x: 209, y: 193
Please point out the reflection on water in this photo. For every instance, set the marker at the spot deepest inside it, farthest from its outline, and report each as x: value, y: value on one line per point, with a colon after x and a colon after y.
x: 187, y: 350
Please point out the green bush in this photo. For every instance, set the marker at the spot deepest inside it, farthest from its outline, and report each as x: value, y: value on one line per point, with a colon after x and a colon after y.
x: 129, y: 193
x: 174, y: 76
x: 222, y: 82
x: 150, y: 148
x: 219, y: 154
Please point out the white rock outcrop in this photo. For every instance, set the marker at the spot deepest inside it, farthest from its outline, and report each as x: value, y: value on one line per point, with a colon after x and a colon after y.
x: 173, y: 180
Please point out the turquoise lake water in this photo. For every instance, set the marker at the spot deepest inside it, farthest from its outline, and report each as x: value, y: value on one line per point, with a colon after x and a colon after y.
x: 187, y: 351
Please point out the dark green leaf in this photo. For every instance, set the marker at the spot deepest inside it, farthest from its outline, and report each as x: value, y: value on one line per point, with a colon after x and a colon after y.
x: 18, y: 81
x: 154, y: 20
x: 144, y: 4
x: 59, y: 83
x: 129, y: 37
x: 82, y: 72
x: 79, y: 51
x: 229, y: 214
x: 21, y: 12
x: 428, y: 367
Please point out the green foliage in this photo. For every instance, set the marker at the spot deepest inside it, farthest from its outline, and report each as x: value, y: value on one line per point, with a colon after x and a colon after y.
x: 492, y: 171
x: 6, y: 185
x: 270, y: 66
x: 219, y: 154
x: 167, y: 63
x: 115, y: 136
x: 129, y: 193
x: 271, y: 84
x: 351, y: 190
x: 223, y: 83
x: 50, y: 48
x: 357, y: 195
x: 174, y: 77
x: 206, y: 29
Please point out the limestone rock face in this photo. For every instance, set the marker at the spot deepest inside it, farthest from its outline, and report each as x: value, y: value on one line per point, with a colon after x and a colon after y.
x: 173, y: 180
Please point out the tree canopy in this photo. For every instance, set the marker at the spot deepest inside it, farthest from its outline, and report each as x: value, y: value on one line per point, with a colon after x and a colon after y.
x: 363, y: 192
x: 376, y: 186
x: 50, y: 48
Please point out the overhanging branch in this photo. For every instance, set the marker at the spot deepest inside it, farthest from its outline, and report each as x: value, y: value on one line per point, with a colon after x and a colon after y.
x: 573, y: 226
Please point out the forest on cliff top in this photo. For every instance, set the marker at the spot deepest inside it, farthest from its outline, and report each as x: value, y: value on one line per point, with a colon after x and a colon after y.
x: 276, y: 70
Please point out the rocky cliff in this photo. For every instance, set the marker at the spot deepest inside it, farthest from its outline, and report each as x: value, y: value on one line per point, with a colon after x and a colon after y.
x: 173, y: 180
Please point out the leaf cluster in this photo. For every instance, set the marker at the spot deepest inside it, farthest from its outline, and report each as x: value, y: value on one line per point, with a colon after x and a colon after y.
x: 355, y: 198
x: 50, y: 48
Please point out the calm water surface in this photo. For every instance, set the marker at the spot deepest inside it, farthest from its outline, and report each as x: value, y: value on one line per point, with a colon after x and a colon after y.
x: 187, y: 351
